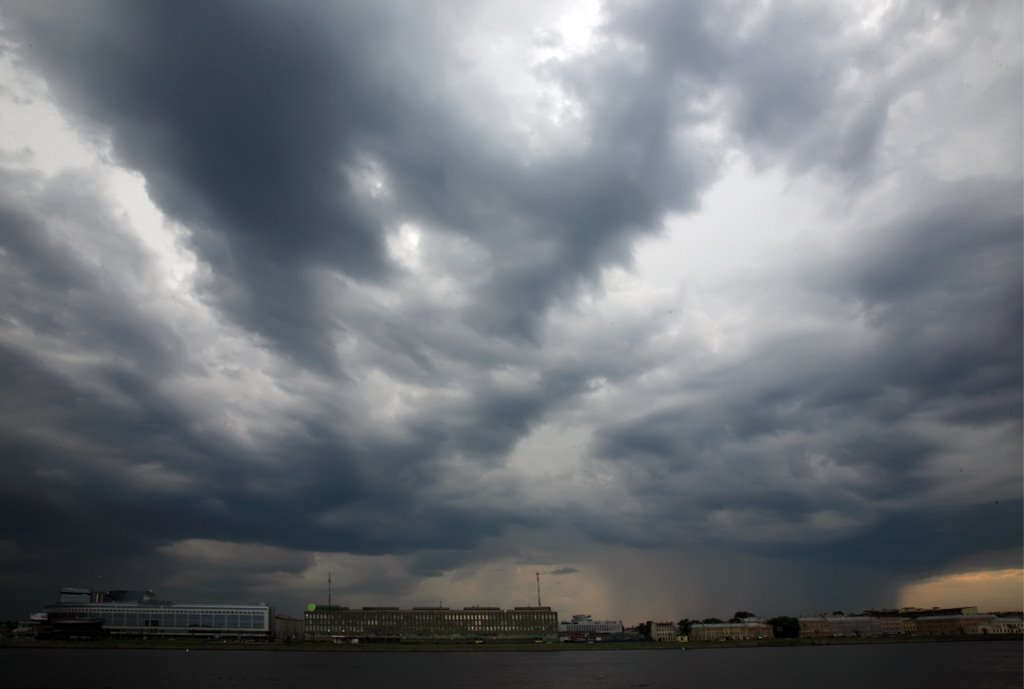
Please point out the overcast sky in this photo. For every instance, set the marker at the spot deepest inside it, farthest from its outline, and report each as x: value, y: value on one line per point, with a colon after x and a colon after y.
x: 691, y: 307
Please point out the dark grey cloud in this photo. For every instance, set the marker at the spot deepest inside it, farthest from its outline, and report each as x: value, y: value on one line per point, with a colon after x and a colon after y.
x: 244, y: 128
x: 240, y: 125
x: 939, y: 295
x: 103, y: 459
x: 307, y: 390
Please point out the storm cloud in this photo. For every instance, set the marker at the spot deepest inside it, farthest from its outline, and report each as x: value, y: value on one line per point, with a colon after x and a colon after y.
x: 437, y: 296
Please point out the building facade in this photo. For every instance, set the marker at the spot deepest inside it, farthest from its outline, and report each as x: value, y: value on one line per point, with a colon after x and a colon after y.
x: 585, y: 627
x: 285, y: 628
x: 1009, y: 625
x: 664, y: 631
x: 814, y: 628
x: 910, y: 622
x: 731, y: 631
x: 892, y: 626
x: 826, y: 626
x: 122, y: 613
x: 855, y: 625
x: 340, y: 624
x: 946, y: 625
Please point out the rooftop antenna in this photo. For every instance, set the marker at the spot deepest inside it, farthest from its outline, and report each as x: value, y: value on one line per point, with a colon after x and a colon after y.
x: 538, y: 589
x: 328, y: 588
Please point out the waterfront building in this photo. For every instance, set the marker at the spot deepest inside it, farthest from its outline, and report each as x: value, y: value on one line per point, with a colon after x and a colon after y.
x: 1009, y: 625
x: 936, y: 612
x: 854, y: 625
x: 664, y: 631
x: 341, y: 624
x: 944, y: 625
x: 814, y: 627
x: 892, y: 626
x: 910, y: 622
x: 826, y: 626
x: 731, y: 631
x: 585, y: 627
x: 139, y: 613
x: 286, y: 628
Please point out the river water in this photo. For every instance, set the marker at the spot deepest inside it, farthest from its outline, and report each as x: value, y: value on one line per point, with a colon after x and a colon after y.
x: 956, y: 665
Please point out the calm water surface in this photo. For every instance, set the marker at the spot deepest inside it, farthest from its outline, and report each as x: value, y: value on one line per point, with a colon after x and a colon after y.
x: 967, y: 665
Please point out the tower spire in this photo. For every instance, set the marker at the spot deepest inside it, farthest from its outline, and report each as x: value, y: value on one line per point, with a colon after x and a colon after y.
x: 538, y: 589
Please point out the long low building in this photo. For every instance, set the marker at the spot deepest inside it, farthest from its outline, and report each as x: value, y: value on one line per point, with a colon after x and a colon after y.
x: 825, y: 626
x: 340, y: 624
x: 131, y: 613
x: 942, y: 625
x: 909, y: 623
x: 731, y: 631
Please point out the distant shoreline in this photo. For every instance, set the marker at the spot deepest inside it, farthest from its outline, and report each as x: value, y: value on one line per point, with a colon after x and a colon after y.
x: 428, y: 647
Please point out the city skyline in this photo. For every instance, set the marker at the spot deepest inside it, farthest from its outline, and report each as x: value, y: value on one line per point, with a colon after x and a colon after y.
x: 78, y: 596
x: 686, y: 306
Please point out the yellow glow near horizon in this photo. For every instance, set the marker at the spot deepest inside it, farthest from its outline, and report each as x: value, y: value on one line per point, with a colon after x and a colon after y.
x: 997, y: 589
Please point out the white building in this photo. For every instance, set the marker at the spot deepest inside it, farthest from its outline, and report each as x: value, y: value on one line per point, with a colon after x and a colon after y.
x: 664, y: 631
x: 1008, y: 625
x: 123, y: 613
x: 585, y: 627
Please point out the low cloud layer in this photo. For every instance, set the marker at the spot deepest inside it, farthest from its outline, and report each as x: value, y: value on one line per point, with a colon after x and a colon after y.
x: 434, y: 297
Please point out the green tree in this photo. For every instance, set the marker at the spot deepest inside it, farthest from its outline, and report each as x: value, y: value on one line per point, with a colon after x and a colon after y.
x: 711, y: 620
x: 685, y: 625
x: 785, y: 627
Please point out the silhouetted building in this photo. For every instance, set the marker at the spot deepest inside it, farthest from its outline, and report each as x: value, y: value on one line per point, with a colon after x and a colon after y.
x: 341, y: 624
x: 284, y: 628
x: 814, y: 627
x: 935, y: 612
